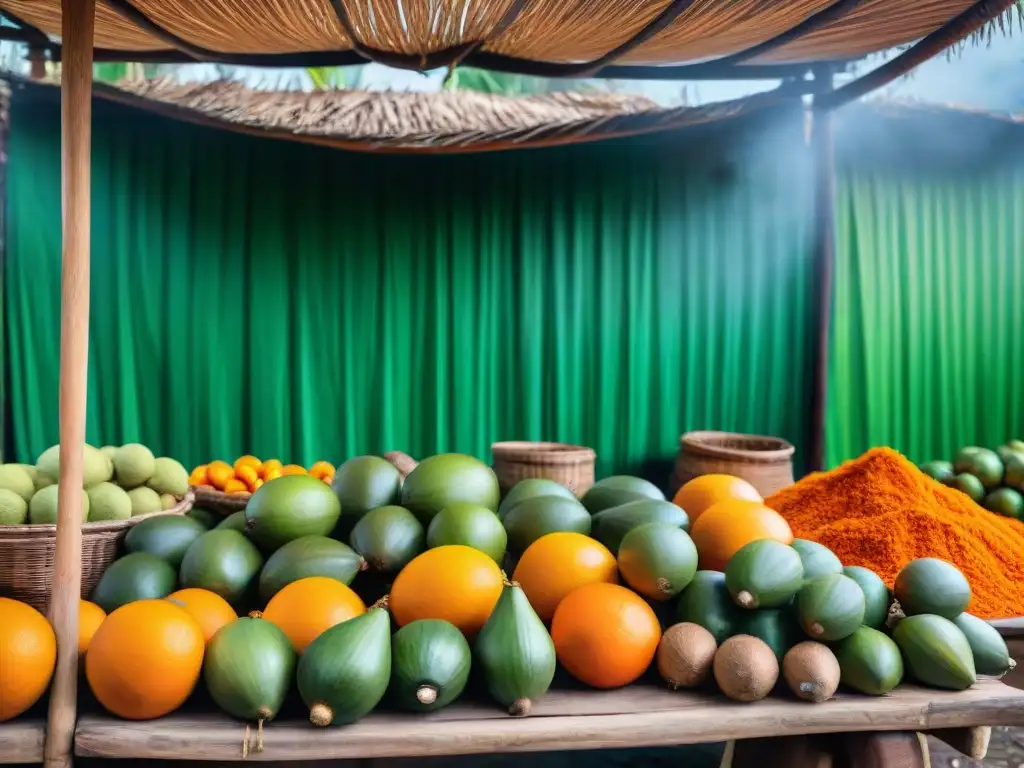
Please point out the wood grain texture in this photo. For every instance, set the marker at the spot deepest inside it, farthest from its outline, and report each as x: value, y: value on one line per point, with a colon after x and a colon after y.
x: 21, y: 741
x: 565, y: 720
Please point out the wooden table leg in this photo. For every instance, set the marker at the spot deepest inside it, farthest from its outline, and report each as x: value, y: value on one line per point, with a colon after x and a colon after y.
x: 899, y: 749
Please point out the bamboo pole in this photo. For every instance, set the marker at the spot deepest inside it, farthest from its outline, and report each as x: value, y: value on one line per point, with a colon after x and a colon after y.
x: 77, y: 23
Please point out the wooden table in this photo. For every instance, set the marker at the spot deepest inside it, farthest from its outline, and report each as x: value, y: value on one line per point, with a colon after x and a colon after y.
x: 21, y: 740
x: 639, y: 716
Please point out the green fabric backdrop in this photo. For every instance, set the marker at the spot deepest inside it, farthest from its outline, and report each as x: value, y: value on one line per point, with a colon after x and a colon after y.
x: 251, y: 296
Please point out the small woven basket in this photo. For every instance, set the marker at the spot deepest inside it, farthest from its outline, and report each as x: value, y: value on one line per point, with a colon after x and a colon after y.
x: 27, y: 551
x: 218, y: 501
x: 568, y: 465
x: 764, y: 462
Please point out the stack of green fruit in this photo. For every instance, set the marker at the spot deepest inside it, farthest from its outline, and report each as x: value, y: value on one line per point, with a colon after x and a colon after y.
x: 119, y: 483
x: 994, y: 479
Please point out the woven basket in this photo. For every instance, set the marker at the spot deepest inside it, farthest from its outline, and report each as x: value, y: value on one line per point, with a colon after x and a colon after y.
x: 26, y: 554
x: 764, y: 462
x: 218, y: 501
x: 568, y: 465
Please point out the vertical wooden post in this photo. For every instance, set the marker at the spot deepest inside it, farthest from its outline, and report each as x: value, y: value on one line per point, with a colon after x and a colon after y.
x: 78, y: 18
x: 823, y: 153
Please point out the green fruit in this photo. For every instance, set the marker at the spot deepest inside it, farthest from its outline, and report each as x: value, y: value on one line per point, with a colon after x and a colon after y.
x: 13, y: 509
x: 936, y: 652
x: 14, y: 477
x: 777, y: 627
x: 930, y: 585
x: 388, y: 538
x: 462, y: 522
x: 344, y: 673
x: 764, y: 574
x: 612, y: 524
x: 364, y: 483
x: 657, y: 560
x: 95, y: 466
x: 42, y: 510
x: 830, y: 607
x: 531, y: 488
x: 968, y: 485
x: 168, y: 477
x: 877, y: 598
x: 991, y: 656
x: 166, y: 536
x: 288, y: 508
x: 1015, y: 472
x: 706, y: 601
x: 204, y: 517
x: 233, y: 522
x: 144, y: 501
x: 869, y: 662
x: 134, y: 464
x: 136, y: 576
x: 309, y: 556
x: 167, y: 501
x: 618, y: 490
x: 818, y: 560
x: 448, y: 477
x: 1006, y: 502
x: 1016, y: 445
x: 225, y: 562
x: 514, y: 653
x: 982, y: 463
x: 430, y: 662
x: 109, y: 451
x: 532, y: 518
x: 108, y: 502
x: 942, y: 471
x: 248, y: 669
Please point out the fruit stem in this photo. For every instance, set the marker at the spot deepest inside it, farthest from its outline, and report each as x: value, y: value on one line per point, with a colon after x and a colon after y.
x: 382, y: 603
x: 426, y: 694
x: 364, y: 566
x: 255, y: 615
x: 520, y: 707
x: 663, y: 585
x: 507, y: 581
x: 321, y: 715
x: 816, y: 629
x: 746, y: 600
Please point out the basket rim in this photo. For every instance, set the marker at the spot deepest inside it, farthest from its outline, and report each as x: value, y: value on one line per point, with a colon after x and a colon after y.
x: 45, y: 531
x: 702, y: 442
x: 213, y: 493
x: 542, y: 452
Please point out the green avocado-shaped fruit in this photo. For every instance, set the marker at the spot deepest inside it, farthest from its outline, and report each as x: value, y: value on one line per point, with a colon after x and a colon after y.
x: 309, y: 556
x: 614, y: 523
x: 991, y: 656
x: 363, y: 483
x: 440, y: 480
x: 514, y: 653
x: 830, y: 607
x: 817, y: 559
x: 658, y: 560
x: 344, y: 673
x: 225, y: 562
x: 248, y: 668
x: 136, y: 576
x: 205, y: 517
x: 869, y: 662
x: 706, y: 601
x: 969, y: 485
x: 530, y: 488
x: 1007, y: 502
x: 982, y: 463
x: 167, y: 536
x: 936, y: 652
x: 942, y: 471
x: 288, y: 508
x: 471, y: 525
x: 877, y: 597
x: 532, y: 518
x: 778, y: 628
x: 233, y: 522
x: 930, y: 585
x: 388, y: 538
x: 764, y: 574
x: 430, y: 661
x: 618, y: 490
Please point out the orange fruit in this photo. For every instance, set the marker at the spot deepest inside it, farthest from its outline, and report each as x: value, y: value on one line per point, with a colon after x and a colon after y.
x: 559, y: 563
x: 234, y: 485
x: 257, y: 485
x: 208, y: 608
x: 90, y: 616
x: 271, y: 474
x: 307, y: 607
x: 703, y: 492
x: 455, y: 583
x: 247, y: 475
x: 605, y: 635
x: 145, y: 660
x: 270, y: 465
x: 293, y: 469
x: 321, y: 469
x: 219, y: 473
x: 199, y: 476
x: 28, y: 653
x: 247, y: 461
x: 730, y: 525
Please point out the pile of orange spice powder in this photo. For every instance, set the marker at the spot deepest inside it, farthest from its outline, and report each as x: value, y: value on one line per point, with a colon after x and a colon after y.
x: 879, y: 511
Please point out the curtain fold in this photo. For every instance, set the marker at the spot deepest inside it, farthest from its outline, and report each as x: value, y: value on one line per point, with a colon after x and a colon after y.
x: 289, y: 301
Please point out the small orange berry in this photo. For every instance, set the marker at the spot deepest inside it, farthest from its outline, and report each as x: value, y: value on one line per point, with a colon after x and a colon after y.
x: 247, y: 475
x: 293, y: 469
x: 219, y: 473
x: 234, y: 485
x: 199, y: 476
x: 248, y: 461
x: 270, y: 465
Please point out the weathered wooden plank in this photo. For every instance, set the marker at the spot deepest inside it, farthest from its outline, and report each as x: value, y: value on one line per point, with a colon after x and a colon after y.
x: 21, y: 741
x: 633, y: 717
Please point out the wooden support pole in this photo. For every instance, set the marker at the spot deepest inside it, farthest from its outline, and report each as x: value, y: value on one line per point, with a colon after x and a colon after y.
x: 78, y: 17
x: 823, y: 153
